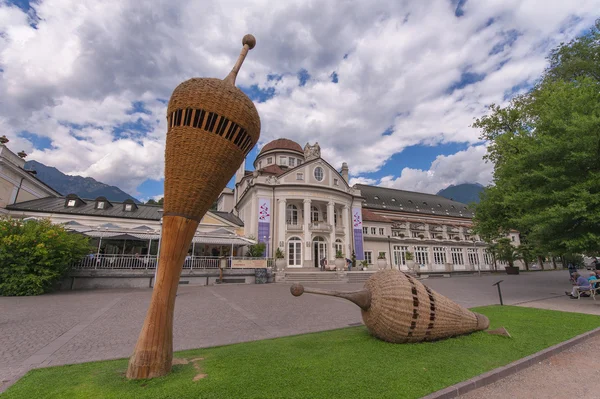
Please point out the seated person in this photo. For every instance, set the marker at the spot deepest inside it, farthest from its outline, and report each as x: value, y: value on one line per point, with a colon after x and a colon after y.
x: 581, y: 284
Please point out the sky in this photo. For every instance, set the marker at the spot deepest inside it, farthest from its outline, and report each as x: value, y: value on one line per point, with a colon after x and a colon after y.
x: 390, y: 87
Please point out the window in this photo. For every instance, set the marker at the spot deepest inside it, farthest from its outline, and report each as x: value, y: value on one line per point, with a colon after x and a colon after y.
x: 292, y: 162
x: 457, y: 256
x: 314, y: 214
x: 299, y: 162
x: 400, y: 255
x: 100, y: 205
x: 473, y: 256
x: 487, y: 257
x: 369, y: 257
x: 319, y: 173
x: 376, y: 197
x: 269, y: 161
x: 374, y: 230
x: 335, y: 182
x: 283, y: 160
x: 259, y: 164
x: 424, y: 203
x: 291, y: 215
x: 365, y: 230
x: 299, y: 176
x: 71, y: 202
x: 512, y: 238
x: 393, y: 199
x: 417, y: 234
x: 381, y: 231
x: 339, y: 246
x: 397, y: 233
x: 295, y: 252
x: 421, y: 255
x: 128, y: 207
x: 439, y: 255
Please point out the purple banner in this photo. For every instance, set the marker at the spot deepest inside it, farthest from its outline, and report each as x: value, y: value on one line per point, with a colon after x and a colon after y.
x: 358, y: 233
x: 264, y: 222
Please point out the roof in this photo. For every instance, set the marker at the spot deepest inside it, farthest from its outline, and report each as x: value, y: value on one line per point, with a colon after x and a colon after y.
x: 282, y: 144
x: 143, y: 211
x: 230, y: 217
x: 273, y: 170
x: 390, y: 199
x: 369, y: 216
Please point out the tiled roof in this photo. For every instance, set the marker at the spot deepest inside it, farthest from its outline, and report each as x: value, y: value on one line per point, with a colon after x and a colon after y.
x: 273, y: 170
x: 282, y: 144
x: 390, y: 199
x: 369, y: 216
x: 144, y: 212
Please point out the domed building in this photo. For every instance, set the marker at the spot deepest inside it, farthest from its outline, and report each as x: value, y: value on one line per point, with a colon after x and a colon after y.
x: 295, y: 201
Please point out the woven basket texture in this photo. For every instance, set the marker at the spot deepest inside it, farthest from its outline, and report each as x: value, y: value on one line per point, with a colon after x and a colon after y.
x: 404, y: 310
x: 212, y: 126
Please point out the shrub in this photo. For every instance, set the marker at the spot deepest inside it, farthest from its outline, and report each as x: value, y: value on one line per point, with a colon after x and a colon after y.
x: 279, y: 254
x: 36, y: 254
x: 339, y: 254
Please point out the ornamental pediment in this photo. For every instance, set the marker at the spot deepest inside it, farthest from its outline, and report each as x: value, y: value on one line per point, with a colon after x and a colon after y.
x: 417, y: 226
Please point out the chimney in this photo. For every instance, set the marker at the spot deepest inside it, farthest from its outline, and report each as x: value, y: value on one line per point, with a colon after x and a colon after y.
x: 345, y: 171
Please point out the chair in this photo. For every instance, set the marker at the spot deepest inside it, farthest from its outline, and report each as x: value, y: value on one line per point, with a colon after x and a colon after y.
x: 591, y: 290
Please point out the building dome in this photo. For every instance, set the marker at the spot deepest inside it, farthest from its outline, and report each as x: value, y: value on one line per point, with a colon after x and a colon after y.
x: 282, y: 144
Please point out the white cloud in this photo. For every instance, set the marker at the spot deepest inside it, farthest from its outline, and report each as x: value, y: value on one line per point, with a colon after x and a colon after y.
x: 463, y: 167
x: 74, y: 77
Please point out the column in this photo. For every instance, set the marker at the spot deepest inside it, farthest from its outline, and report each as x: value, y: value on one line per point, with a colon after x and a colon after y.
x: 306, y: 250
x: 331, y: 222
x: 281, y: 225
x: 347, y: 232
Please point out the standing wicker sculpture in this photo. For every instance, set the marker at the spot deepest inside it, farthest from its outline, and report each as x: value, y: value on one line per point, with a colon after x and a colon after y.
x: 398, y: 308
x: 212, y: 126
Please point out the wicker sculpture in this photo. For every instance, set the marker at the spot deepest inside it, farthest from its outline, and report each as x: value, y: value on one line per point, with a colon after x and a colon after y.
x: 212, y: 126
x: 398, y: 308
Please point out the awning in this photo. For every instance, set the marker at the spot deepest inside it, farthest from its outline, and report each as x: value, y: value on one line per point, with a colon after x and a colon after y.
x: 121, y: 235
x: 221, y: 241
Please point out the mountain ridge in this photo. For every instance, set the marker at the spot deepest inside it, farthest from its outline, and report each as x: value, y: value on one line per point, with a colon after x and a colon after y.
x: 84, y: 187
x: 465, y: 193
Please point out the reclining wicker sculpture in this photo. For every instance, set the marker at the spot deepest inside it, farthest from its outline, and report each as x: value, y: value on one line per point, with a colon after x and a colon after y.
x: 398, y: 308
x: 212, y: 126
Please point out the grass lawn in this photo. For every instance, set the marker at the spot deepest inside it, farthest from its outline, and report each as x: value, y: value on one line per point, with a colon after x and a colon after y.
x: 345, y: 363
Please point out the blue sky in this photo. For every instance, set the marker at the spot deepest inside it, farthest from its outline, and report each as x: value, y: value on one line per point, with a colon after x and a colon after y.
x: 391, y: 88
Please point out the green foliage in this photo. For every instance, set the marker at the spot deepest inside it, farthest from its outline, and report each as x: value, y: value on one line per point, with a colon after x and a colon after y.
x: 507, y: 252
x: 364, y: 263
x: 257, y: 250
x: 279, y: 254
x: 253, y: 369
x: 339, y: 254
x: 545, y: 146
x: 381, y: 255
x: 408, y: 255
x: 36, y: 254
x: 353, y: 258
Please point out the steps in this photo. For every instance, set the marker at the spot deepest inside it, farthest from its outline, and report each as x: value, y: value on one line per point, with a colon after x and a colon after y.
x: 359, y: 277
x: 319, y: 277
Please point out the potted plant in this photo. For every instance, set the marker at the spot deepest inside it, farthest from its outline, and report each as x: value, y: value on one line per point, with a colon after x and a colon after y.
x: 381, y: 261
x: 509, y: 254
x: 364, y: 264
x: 340, y: 261
x: 279, y: 259
x: 410, y: 263
x: 353, y: 258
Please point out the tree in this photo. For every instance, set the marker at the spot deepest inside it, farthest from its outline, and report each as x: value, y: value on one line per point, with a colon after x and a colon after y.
x: 36, y: 254
x: 507, y: 252
x: 151, y: 202
x: 545, y: 146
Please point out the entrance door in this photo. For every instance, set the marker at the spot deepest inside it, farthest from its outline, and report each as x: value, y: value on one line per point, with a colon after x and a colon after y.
x: 319, y: 250
x: 295, y: 252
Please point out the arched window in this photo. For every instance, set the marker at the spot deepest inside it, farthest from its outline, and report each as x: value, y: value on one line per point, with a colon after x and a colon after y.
x: 291, y: 214
x: 295, y: 252
x: 314, y: 214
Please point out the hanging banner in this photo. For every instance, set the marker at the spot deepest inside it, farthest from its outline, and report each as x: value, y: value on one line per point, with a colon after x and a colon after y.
x: 358, y: 233
x: 264, y: 221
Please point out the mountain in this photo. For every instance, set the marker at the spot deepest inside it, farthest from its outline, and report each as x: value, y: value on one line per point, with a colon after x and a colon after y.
x: 465, y: 193
x: 84, y: 187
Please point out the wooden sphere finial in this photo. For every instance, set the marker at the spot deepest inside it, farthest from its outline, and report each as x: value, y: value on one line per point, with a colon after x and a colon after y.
x: 250, y: 40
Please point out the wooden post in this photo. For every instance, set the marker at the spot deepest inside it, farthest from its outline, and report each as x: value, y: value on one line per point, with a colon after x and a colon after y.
x: 153, y: 354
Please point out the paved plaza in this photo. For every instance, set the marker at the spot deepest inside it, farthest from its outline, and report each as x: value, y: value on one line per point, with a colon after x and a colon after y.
x: 80, y: 326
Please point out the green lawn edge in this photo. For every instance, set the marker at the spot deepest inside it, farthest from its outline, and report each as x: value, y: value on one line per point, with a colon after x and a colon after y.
x: 342, y: 363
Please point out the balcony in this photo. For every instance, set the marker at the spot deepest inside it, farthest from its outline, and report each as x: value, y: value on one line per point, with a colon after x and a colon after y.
x: 339, y: 229
x: 294, y: 227
x: 321, y: 227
